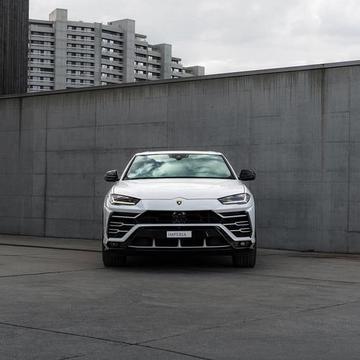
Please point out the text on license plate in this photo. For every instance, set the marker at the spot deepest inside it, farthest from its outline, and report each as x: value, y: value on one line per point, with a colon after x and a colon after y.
x: 178, y: 234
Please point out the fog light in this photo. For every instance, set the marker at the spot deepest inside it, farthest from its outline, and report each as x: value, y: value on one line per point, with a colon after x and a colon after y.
x: 113, y: 244
x: 244, y: 244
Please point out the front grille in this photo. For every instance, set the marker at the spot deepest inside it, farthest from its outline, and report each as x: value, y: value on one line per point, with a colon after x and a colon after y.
x: 157, y: 238
x: 179, y: 217
x: 238, y: 223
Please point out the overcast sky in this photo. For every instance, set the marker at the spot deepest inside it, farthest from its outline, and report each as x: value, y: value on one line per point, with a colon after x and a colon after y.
x: 233, y: 35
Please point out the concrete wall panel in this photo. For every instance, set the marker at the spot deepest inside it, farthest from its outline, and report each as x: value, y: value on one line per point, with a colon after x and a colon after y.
x: 10, y: 115
x: 131, y: 136
x: 71, y: 139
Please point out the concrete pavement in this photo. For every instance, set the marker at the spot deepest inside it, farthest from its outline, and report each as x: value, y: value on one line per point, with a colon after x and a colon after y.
x: 62, y: 304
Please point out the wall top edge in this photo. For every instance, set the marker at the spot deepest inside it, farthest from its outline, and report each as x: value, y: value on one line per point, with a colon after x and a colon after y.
x: 192, y: 79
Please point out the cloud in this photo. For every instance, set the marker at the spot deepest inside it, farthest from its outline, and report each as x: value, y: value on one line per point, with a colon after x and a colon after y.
x: 233, y: 35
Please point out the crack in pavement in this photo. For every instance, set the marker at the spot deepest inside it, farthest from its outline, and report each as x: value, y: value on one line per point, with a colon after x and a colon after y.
x: 328, y: 306
x: 210, y: 270
x: 173, y: 352
x: 48, y: 273
x: 247, y: 321
x: 343, y: 282
x: 72, y: 357
x: 113, y: 341
x: 64, y: 333
x: 303, y: 278
x: 145, y: 344
x: 49, y: 247
x: 48, y: 257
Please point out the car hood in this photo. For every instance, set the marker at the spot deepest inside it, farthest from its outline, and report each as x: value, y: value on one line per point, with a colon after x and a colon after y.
x: 178, y: 188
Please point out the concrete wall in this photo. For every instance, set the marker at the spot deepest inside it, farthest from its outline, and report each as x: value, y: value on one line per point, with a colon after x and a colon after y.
x: 298, y: 127
x: 14, y: 17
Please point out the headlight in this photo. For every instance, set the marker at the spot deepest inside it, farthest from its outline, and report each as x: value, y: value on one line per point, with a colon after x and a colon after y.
x: 243, y: 198
x: 116, y: 199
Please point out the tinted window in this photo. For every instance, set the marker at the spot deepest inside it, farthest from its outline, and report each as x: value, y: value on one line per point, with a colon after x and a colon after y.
x: 179, y: 166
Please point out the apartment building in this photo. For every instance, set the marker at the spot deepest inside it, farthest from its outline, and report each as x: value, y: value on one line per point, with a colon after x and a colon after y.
x: 67, y: 54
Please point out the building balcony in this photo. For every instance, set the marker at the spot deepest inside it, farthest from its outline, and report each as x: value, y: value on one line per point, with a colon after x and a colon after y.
x: 154, y: 61
x: 42, y: 37
x: 41, y: 82
x: 46, y: 27
x: 141, y: 67
x: 80, y: 41
x: 141, y: 59
x: 81, y: 76
x: 176, y: 65
x: 85, y: 67
x: 181, y: 75
x: 112, y: 46
x: 112, y: 37
x: 80, y: 58
x: 109, y: 79
x: 109, y: 62
x: 154, y: 53
x: 112, y: 81
x: 80, y: 50
x: 80, y: 32
x: 141, y: 76
x: 141, y: 51
x: 152, y: 68
x: 40, y: 73
x: 41, y: 47
x: 112, y: 54
x: 37, y: 63
x: 154, y: 77
x: 113, y: 71
x: 41, y: 56
x: 77, y: 86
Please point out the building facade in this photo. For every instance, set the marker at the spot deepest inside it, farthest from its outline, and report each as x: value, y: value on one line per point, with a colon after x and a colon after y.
x: 14, y: 17
x: 72, y: 54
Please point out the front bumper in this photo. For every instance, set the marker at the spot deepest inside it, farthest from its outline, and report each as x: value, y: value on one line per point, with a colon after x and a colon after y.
x: 154, y: 238
x: 212, y: 231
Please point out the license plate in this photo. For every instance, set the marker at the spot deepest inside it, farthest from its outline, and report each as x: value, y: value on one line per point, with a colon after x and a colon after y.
x: 178, y: 234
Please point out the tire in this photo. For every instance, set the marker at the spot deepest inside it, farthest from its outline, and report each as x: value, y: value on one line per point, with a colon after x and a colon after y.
x: 112, y: 258
x: 246, y: 259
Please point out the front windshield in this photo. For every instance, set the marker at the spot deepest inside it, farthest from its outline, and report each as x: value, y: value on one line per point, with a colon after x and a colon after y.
x: 160, y: 166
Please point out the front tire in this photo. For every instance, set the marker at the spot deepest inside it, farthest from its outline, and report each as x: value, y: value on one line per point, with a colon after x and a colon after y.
x: 112, y: 258
x: 245, y: 259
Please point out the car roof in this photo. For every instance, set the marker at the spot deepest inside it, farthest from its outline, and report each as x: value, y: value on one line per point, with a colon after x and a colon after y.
x: 179, y: 152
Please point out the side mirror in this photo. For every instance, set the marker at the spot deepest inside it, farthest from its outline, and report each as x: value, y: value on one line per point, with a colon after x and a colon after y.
x: 247, y: 175
x: 111, y: 176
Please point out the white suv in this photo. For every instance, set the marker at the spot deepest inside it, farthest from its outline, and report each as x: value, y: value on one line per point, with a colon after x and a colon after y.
x: 179, y: 201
